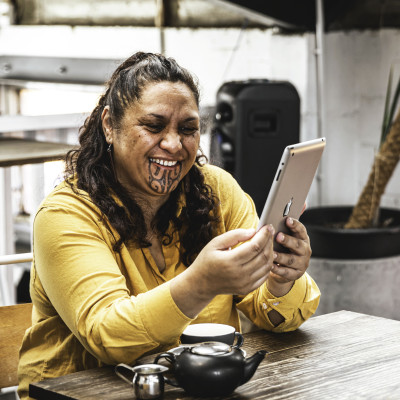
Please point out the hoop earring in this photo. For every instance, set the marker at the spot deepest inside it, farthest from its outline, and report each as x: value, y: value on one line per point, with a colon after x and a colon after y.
x: 109, y: 151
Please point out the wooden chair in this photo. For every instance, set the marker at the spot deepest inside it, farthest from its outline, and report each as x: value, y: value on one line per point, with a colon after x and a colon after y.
x: 14, y: 320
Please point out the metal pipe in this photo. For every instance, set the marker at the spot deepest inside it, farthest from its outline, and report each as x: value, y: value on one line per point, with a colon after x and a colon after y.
x: 160, y: 23
x: 7, y: 290
x: 16, y: 258
x: 319, y: 64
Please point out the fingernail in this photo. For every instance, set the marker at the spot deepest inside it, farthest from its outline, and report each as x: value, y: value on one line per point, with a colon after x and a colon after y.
x: 281, y: 237
x: 271, y: 229
x: 290, y: 221
x: 275, y: 255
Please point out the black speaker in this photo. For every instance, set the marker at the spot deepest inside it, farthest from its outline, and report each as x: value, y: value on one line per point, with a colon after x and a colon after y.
x: 254, y: 121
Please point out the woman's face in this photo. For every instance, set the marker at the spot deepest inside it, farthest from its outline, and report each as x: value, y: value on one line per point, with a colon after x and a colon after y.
x: 158, y: 140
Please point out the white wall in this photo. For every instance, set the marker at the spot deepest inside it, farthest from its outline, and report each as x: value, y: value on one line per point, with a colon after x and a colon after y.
x: 357, y: 67
x: 356, y: 70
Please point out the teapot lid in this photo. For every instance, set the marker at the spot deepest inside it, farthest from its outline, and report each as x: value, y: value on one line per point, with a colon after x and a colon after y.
x: 210, y: 348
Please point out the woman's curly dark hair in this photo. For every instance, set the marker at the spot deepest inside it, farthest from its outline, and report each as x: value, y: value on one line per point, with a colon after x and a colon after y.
x: 93, y: 169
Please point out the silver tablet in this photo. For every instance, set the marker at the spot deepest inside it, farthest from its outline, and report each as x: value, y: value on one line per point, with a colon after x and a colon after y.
x: 291, y: 185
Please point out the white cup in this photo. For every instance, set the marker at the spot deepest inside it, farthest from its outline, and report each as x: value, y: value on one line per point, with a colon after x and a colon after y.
x: 209, y: 332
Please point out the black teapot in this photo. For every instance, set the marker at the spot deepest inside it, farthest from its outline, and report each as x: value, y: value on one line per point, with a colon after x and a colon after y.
x: 210, y: 369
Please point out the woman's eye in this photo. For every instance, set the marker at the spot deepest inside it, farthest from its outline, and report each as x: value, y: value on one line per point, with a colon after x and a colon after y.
x: 188, y: 130
x: 154, y: 128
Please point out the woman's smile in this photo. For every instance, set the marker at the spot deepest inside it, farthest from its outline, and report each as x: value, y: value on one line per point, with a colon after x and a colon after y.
x: 164, y: 163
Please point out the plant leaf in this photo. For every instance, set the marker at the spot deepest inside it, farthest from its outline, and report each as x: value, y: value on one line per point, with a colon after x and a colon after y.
x: 393, y: 107
x: 386, y: 122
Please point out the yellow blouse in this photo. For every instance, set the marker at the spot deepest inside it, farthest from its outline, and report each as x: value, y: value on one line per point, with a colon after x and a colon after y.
x: 93, y: 306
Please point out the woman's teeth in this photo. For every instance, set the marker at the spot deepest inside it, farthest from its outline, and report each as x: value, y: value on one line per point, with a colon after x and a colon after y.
x: 164, y: 163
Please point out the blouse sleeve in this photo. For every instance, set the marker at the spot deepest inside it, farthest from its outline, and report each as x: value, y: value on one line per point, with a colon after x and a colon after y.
x: 296, y: 306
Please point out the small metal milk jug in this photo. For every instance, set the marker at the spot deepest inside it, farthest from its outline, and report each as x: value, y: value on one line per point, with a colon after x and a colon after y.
x: 147, y: 381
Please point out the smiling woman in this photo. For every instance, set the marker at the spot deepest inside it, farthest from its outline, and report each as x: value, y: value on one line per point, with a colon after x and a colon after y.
x: 144, y: 237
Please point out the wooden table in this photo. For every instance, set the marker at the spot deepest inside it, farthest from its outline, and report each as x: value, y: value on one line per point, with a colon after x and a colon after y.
x: 342, y: 355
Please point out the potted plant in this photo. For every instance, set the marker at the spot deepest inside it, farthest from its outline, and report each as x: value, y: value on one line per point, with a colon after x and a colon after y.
x: 366, y: 230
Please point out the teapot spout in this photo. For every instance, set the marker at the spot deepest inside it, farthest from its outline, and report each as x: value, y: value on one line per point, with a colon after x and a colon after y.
x: 251, y: 365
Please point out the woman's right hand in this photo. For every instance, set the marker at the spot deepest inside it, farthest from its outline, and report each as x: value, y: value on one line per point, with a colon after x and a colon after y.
x: 218, y: 269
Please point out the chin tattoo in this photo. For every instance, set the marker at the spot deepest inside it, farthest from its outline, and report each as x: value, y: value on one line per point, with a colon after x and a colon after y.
x: 163, y: 181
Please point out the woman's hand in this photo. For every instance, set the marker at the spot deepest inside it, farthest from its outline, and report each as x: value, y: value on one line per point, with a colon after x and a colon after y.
x: 289, y: 267
x: 218, y: 269
x: 240, y: 270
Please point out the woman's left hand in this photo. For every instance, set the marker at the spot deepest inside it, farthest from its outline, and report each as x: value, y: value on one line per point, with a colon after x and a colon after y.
x: 289, y: 267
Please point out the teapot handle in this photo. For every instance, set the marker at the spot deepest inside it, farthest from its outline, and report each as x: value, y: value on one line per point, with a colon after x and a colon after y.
x: 239, y: 340
x: 170, y: 357
x: 121, y: 375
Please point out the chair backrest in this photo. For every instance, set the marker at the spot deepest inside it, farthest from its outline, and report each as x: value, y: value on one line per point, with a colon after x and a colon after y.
x: 14, y: 320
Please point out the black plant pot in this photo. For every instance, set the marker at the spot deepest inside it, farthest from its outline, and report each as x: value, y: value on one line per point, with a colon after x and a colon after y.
x: 330, y: 240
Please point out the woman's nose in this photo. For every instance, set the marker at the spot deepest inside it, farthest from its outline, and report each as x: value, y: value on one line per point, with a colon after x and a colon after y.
x: 171, y: 142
